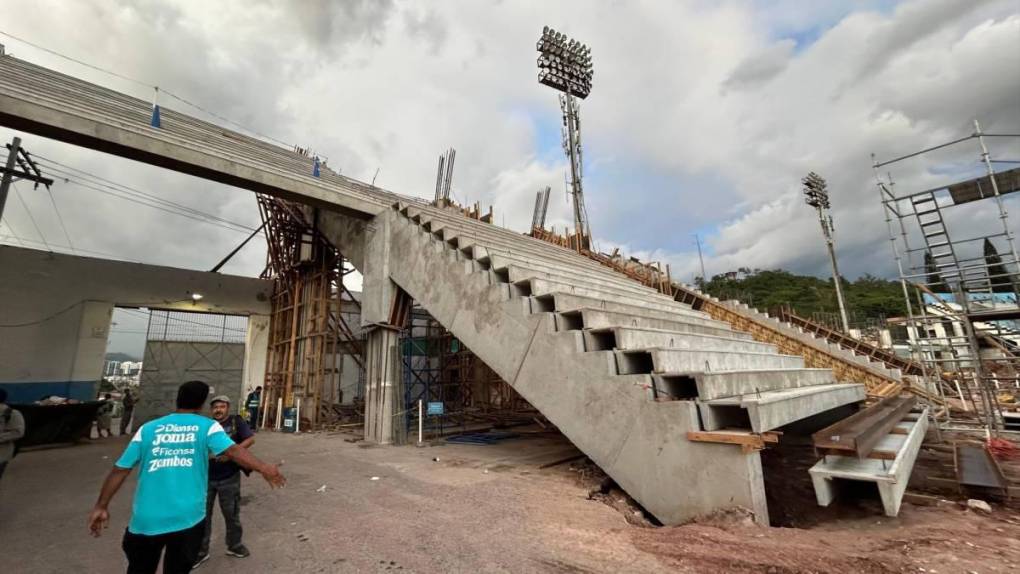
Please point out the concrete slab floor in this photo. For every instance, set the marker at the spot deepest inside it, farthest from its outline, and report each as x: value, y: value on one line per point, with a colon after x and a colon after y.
x: 478, y: 509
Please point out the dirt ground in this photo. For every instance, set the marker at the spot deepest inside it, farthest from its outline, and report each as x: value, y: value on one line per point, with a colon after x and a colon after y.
x: 475, y: 509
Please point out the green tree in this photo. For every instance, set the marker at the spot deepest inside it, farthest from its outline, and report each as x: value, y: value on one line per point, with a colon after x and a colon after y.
x: 1002, y: 281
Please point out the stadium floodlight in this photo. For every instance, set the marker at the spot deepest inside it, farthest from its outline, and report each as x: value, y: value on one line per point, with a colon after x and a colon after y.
x: 564, y: 64
x: 816, y: 194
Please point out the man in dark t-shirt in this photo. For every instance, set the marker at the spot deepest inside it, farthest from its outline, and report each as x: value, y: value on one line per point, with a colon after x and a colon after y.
x: 225, y: 482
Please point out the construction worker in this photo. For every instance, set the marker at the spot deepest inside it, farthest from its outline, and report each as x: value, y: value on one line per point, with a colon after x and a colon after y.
x: 225, y: 482
x: 128, y: 402
x: 252, y: 403
x: 172, y: 453
x: 12, y: 428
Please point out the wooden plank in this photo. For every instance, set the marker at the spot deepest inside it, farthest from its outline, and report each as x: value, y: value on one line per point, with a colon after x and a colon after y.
x: 744, y: 439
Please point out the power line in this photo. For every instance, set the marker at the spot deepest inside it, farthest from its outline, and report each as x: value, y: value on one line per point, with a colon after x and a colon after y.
x: 17, y: 192
x: 44, y: 319
x: 103, y: 180
x: 13, y: 233
x: 147, y: 85
x: 24, y: 243
x: 83, y: 178
x: 60, y: 219
x: 121, y: 191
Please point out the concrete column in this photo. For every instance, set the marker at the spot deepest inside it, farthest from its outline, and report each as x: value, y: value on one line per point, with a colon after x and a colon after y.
x: 256, y: 351
x: 382, y: 385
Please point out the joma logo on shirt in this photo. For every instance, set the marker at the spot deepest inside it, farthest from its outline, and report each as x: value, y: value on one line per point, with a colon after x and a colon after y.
x: 173, y: 438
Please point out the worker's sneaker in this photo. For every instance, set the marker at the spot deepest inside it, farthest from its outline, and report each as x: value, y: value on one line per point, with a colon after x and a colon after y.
x: 238, y: 551
x: 201, y: 560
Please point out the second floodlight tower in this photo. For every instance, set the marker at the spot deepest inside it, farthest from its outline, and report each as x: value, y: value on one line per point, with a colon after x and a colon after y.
x: 564, y: 64
x: 816, y: 194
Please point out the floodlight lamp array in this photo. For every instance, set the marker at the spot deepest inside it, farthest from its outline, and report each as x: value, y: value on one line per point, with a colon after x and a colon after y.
x: 816, y: 192
x: 564, y: 63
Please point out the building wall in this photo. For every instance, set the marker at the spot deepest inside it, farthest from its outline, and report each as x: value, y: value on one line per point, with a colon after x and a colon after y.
x: 167, y: 364
x: 55, y: 312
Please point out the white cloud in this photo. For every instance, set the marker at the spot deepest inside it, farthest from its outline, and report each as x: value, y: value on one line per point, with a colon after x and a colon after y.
x: 706, y: 92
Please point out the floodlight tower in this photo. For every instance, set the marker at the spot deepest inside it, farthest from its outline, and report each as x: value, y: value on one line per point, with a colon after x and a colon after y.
x: 564, y: 64
x: 816, y: 194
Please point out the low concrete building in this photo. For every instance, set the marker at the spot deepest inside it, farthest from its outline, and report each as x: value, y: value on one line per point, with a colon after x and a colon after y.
x: 55, y: 313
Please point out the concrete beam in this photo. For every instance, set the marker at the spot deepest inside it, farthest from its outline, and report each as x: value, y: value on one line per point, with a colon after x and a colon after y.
x: 36, y: 100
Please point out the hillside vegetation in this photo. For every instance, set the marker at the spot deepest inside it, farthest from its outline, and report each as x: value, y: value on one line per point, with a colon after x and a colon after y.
x: 867, y: 297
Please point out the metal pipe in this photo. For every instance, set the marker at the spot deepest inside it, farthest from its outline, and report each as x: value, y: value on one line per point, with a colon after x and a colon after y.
x: 915, y: 154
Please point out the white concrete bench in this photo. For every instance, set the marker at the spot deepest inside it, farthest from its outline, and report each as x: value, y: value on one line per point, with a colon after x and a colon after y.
x: 891, y: 476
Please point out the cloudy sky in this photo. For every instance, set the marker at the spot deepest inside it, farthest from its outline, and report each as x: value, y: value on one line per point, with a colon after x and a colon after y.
x: 702, y: 119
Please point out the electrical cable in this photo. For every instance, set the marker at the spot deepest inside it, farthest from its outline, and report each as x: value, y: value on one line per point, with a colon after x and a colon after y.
x: 30, y: 216
x: 62, y: 168
x: 60, y: 219
x: 13, y: 233
x: 147, y: 85
x: 43, y: 320
x: 80, y: 251
x: 137, y: 196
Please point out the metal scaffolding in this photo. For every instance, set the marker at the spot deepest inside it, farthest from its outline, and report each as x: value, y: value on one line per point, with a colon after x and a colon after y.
x: 961, y: 294
x: 447, y: 388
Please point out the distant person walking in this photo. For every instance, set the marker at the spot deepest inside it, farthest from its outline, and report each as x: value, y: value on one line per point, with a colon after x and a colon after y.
x: 172, y: 453
x: 253, y: 403
x: 12, y: 428
x: 104, y: 416
x: 225, y: 482
x: 128, y: 402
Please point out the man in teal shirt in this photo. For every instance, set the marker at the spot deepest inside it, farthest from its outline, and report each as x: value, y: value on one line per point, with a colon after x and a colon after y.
x: 172, y: 454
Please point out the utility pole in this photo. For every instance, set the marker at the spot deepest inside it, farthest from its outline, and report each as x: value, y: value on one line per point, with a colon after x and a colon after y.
x: 816, y: 194
x: 17, y: 157
x: 704, y: 280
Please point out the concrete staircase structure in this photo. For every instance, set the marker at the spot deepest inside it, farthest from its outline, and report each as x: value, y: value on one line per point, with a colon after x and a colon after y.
x: 625, y: 372
x: 622, y: 370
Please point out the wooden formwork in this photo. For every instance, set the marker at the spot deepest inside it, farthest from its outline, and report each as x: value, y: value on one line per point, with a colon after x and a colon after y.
x: 308, y: 335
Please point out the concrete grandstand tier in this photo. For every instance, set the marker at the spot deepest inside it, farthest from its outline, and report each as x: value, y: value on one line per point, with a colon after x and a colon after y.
x: 618, y: 367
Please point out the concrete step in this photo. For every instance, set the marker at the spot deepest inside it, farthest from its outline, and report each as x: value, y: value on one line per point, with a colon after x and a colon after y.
x: 564, y: 302
x: 591, y: 318
x: 634, y: 338
x: 566, y: 274
x: 772, y: 409
x: 657, y: 360
x: 717, y: 385
x: 499, y: 238
x: 537, y: 287
x: 519, y: 274
x: 565, y: 270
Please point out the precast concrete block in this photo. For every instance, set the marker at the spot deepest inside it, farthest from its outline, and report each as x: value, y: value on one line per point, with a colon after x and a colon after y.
x: 703, y: 360
x: 717, y: 385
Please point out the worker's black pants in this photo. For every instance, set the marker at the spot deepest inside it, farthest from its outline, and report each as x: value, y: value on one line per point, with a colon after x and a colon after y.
x: 229, y: 492
x: 253, y: 419
x: 143, y: 552
x: 125, y: 420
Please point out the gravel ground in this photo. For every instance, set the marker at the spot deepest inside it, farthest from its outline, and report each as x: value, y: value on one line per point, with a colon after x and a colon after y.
x: 476, y: 509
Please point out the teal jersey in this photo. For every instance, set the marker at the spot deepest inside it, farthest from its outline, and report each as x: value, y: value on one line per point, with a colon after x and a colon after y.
x: 172, y: 453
